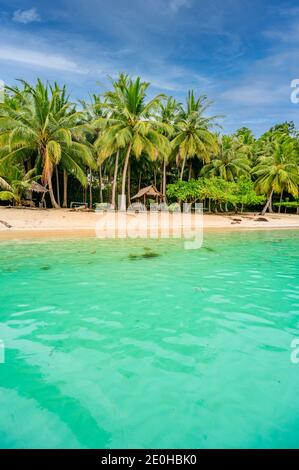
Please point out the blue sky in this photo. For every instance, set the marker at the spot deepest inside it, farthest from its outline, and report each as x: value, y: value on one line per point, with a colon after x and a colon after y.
x: 243, y: 54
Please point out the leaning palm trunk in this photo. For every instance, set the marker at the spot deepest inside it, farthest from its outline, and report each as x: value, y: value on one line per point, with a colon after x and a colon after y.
x: 65, y: 181
x: 123, y: 185
x: 47, y: 176
x: 90, y: 189
x: 4, y: 185
x: 129, y: 183
x: 57, y: 186
x: 280, y: 201
x: 164, y: 180
x: 101, y: 183
x: 51, y: 193
x: 182, y: 169
x: 190, y: 172
x: 268, y: 205
x: 115, y: 180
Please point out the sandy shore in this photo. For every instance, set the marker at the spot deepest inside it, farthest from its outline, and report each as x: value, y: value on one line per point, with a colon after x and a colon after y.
x: 18, y: 223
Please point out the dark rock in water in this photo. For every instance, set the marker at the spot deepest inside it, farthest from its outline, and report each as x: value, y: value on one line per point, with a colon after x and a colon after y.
x: 147, y: 254
x: 262, y: 219
x: 133, y: 256
x: 45, y: 268
x: 235, y: 222
x: 150, y: 254
x: 208, y: 248
x: 9, y: 270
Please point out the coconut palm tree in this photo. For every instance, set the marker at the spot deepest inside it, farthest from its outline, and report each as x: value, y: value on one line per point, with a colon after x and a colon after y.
x: 231, y: 160
x: 4, y: 184
x: 130, y: 124
x: 277, y: 169
x: 104, y: 110
x: 192, y: 135
x: 48, y: 127
x: 169, y: 114
x: 16, y: 185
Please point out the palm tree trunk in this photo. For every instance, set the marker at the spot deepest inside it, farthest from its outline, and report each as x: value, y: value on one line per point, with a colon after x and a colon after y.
x: 57, y: 185
x: 155, y: 178
x: 123, y: 184
x: 190, y: 171
x: 115, y: 179
x: 182, y: 169
x: 129, y: 183
x: 139, y: 181
x: 280, y: 201
x: 100, y: 183
x: 43, y: 202
x: 268, y: 204
x: 65, y: 181
x: 51, y: 193
x: 164, y: 180
x: 90, y: 189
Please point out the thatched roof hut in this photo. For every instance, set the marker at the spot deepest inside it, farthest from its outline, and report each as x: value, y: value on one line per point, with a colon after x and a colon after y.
x: 38, y: 188
x: 149, y: 191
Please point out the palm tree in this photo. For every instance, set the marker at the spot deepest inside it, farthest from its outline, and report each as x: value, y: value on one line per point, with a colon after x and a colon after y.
x: 131, y: 124
x: 45, y: 127
x: 102, y: 109
x: 277, y: 169
x: 4, y: 184
x: 192, y: 135
x: 18, y: 183
x: 231, y: 160
x: 169, y: 113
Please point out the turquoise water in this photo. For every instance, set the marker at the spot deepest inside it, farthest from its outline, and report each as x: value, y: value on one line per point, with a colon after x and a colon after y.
x: 143, y: 344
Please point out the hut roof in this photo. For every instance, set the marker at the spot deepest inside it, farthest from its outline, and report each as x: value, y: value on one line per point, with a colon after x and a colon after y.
x: 38, y: 188
x: 148, y: 191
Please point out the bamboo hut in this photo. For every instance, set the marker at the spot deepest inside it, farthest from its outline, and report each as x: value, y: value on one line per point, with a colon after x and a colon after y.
x: 37, y: 188
x: 149, y: 191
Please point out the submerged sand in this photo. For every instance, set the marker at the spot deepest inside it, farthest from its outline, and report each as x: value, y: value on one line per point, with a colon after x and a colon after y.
x: 28, y: 223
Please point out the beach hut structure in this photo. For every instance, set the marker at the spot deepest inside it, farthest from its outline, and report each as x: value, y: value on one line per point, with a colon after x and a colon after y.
x: 150, y: 191
x: 38, y: 188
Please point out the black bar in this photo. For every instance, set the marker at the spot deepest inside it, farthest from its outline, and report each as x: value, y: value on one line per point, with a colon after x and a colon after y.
x: 137, y: 458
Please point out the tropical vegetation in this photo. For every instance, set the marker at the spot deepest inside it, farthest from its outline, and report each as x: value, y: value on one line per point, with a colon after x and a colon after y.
x: 121, y: 141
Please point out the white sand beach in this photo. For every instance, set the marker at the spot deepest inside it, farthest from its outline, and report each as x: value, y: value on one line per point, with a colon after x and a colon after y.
x: 19, y: 223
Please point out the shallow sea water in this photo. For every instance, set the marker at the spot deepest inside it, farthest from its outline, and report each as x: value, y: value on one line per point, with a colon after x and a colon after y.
x: 142, y: 344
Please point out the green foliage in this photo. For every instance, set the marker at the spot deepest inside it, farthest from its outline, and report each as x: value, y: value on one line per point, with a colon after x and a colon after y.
x: 288, y: 204
x: 218, y: 190
x: 128, y: 138
x: 231, y: 160
x: 45, y: 128
x: 276, y: 169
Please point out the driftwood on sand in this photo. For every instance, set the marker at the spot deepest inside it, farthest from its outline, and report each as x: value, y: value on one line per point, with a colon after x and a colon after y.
x: 5, y: 223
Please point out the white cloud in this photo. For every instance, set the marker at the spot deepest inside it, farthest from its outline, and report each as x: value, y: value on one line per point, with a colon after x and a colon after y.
x: 40, y: 59
x: 26, y: 16
x: 256, y: 93
x: 175, y: 5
